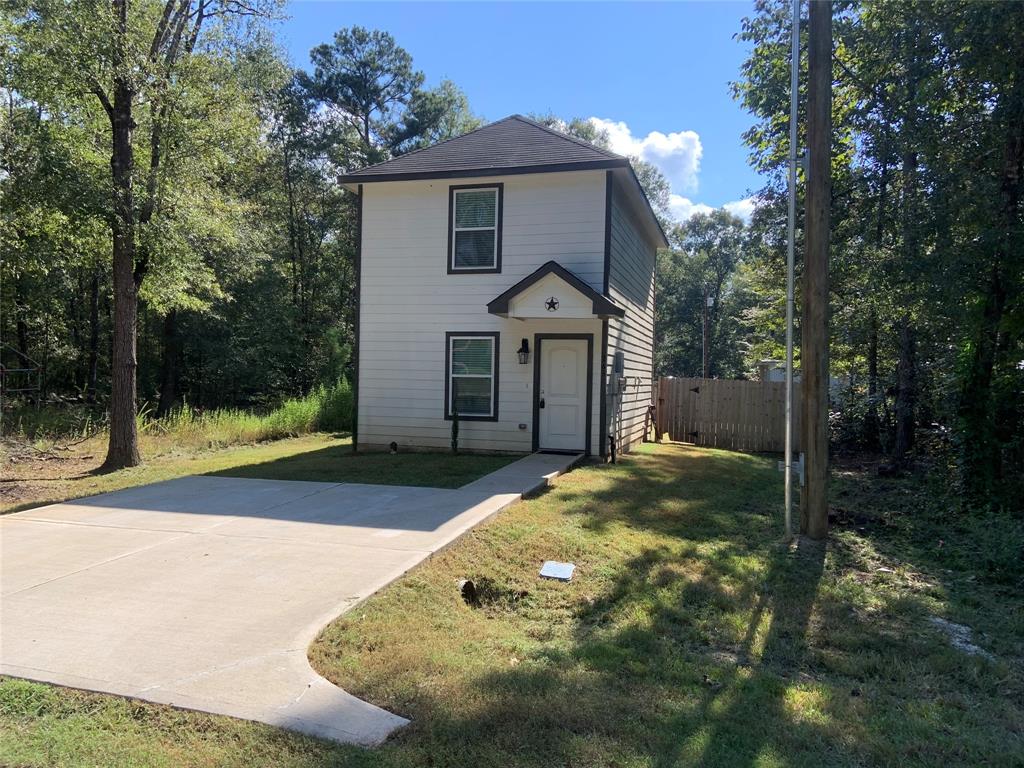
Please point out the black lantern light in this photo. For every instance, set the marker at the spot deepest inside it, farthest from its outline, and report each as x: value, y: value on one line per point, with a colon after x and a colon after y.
x: 524, y: 352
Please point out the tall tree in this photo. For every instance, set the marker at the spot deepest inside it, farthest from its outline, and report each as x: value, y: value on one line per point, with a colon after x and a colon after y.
x: 366, y: 81
x: 927, y: 222
x: 52, y: 238
x: 433, y: 115
x: 137, y: 60
x: 703, y: 298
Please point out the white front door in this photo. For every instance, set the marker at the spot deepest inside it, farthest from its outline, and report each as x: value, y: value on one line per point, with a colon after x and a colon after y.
x: 562, y: 395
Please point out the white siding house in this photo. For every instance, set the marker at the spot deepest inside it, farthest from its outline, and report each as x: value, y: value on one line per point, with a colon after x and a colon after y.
x: 499, y: 274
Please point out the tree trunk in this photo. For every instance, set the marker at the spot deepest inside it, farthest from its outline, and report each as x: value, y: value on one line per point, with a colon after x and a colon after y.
x: 21, y: 327
x: 169, y: 364
x: 814, y: 320
x: 906, y: 391
x: 986, y: 417
x: 123, y: 449
x: 75, y: 317
x: 872, y: 431
x: 872, y: 425
x: 977, y: 430
x: 94, y: 335
x: 293, y: 236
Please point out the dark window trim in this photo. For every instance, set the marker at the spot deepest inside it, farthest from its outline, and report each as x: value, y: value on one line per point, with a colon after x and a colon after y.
x: 609, y: 201
x: 496, y: 335
x: 357, y: 324
x: 538, y: 340
x: 608, y: 186
x: 602, y: 436
x: 496, y: 269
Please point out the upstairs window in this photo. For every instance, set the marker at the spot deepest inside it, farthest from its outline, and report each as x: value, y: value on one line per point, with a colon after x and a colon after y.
x: 474, y: 237
x: 472, y: 377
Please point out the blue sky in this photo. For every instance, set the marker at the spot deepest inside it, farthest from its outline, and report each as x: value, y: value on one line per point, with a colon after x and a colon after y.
x: 655, y: 74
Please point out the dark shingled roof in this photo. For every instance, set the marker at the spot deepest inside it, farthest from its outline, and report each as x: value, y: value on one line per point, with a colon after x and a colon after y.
x: 513, y: 145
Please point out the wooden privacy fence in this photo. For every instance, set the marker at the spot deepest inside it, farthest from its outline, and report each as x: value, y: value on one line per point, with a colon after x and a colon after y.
x: 726, y: 413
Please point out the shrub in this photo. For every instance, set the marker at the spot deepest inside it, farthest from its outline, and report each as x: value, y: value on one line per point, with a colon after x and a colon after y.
x: 294, y: 417
x: 336, y: 406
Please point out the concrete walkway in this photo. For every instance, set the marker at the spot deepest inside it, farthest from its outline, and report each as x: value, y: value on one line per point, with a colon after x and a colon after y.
x: 205, y: 592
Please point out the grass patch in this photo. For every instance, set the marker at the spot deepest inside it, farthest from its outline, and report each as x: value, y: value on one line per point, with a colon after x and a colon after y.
x: 54, y: 453
x: 689, y: 636
x: 337, y: 464
x: 48, y: 477
x: 325, y: 409
x: 32, y: 477
x: 46, y: 727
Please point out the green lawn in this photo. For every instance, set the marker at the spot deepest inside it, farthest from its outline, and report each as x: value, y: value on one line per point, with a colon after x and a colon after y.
x: 337, y: 464
x: 32, y: 478
x: 689, y: 636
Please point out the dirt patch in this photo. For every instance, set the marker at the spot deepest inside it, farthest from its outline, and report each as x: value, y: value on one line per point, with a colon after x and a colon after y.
x: 14, y: 492
x: 30, y: 474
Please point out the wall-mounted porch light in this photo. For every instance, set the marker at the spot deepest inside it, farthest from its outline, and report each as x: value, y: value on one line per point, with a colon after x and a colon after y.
x: 524, y: 352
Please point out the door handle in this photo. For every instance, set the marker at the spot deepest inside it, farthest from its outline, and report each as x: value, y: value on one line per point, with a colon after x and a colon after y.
x: 541, y: 403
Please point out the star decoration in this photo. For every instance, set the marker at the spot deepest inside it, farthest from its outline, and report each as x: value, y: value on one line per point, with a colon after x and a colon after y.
x: 551, y: 304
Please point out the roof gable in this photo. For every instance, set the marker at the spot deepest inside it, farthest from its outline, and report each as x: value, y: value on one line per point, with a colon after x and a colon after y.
x: 513, y: 145
x: 550, y: 274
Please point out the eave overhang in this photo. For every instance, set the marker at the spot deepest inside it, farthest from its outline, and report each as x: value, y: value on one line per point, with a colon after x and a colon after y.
x: 470, y: 172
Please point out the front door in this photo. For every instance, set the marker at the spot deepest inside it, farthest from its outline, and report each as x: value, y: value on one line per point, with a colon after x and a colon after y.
x: 562, y: 394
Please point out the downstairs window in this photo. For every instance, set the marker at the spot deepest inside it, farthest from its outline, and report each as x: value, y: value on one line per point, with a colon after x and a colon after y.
x: 471, y: 375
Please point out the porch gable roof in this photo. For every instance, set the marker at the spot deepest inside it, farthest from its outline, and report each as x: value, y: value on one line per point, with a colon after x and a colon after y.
x: 600, y: 306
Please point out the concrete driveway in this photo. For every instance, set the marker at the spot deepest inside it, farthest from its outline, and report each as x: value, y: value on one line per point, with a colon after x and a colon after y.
x: 205, y: 592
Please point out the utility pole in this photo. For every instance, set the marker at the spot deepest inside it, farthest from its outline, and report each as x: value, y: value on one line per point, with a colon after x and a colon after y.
x: 794, y: 95
x: 814, y: 320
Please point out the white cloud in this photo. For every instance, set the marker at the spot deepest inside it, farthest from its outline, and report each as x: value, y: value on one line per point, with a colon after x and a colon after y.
x: 677, y: 155
x: 743, y: 208
x: 683, y: 208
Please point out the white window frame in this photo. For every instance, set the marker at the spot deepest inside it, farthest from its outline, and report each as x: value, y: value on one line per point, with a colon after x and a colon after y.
x: 493, y: 376
x: 455, y: 228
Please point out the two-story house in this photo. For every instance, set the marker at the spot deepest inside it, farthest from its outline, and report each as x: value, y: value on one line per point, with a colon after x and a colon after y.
x: 506, y: 275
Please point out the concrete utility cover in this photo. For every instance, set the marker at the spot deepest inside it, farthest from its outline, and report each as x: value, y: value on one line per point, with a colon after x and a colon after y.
x: 205, y: 592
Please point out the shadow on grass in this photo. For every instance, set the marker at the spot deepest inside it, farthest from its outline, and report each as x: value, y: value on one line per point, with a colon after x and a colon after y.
x: 660, y: 689
x: 338, y: 464
x: 712, y: 644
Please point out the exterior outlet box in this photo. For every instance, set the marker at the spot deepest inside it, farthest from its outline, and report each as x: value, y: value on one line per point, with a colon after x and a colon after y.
x: 796, y: 467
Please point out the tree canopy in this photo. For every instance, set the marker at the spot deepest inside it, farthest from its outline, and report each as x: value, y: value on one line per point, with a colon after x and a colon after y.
x: 927, y: 154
